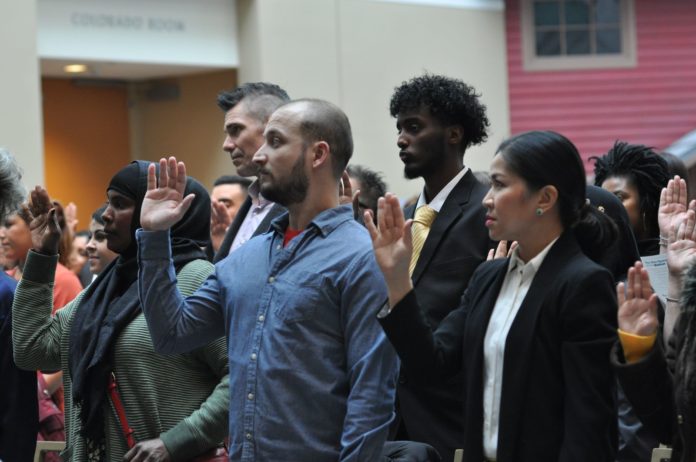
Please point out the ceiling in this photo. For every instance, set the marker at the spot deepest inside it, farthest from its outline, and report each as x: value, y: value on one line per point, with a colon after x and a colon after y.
x: 121, y: 71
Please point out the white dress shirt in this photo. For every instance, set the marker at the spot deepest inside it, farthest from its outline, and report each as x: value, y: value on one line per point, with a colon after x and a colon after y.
x: 439, y: 200
x: 260, y: 207
x: 517, y: 281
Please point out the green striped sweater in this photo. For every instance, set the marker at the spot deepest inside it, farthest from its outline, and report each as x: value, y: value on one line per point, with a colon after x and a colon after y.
x: 183, y: 399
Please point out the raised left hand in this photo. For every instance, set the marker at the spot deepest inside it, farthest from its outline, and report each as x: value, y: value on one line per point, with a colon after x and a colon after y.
x: 164, y: 203
x: 149, y: 450
x: 501, y: 251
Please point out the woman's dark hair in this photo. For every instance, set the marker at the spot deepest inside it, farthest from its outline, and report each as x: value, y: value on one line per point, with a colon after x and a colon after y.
x: 544, y: 158
x: 623, y: 252
x: 97, y: 215
x: 644, y: 169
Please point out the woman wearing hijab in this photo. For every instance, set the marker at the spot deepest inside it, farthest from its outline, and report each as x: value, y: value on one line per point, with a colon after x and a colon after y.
x: 175, y: 405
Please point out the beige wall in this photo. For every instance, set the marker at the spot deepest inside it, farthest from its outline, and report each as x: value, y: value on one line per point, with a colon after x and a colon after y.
x: 189, y: 127
x: 351, y: 52
x: 20, y: 101
x: 354, y: 52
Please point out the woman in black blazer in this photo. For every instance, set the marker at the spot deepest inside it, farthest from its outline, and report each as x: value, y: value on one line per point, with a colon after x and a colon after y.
x: 533, y: 332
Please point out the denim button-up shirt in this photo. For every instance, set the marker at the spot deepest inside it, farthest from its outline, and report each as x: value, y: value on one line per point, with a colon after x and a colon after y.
x: 312, y: 376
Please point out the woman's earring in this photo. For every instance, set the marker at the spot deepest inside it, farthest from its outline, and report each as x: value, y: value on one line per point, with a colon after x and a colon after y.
x: 539, y: 211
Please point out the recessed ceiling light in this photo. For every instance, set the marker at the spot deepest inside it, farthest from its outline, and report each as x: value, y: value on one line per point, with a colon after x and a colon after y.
x: 75, y: 68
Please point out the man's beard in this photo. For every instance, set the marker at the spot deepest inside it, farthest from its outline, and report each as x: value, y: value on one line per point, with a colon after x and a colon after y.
x: 428, y: 165
x: 290, y: 191
x: 411, y: 173
x: 423, y: 169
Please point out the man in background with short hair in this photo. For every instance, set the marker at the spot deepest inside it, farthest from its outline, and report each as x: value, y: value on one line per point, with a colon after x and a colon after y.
x: 371, y: 186
x: 247, y: 110
x: 227, y: 196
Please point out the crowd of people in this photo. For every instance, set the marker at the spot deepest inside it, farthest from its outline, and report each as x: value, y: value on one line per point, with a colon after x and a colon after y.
x: 300, y: 312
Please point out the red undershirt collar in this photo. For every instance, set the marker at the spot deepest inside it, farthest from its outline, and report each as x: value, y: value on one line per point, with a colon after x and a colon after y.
x: 290, y: 234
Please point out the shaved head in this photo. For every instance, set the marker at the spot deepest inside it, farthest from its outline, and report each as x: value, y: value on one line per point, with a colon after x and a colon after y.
x: 324, y: 121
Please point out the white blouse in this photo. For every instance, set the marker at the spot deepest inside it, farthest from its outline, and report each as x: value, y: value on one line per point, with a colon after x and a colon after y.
x: 517, y: 281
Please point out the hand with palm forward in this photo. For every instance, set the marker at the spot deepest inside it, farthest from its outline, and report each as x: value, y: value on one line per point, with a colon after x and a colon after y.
x: 346, y: 195
x: 637, y: 303
x: 391, y: 241
x: 164, y: 203
x: 673, y: 205
x: 219, y: 222
x: 681, y: 252
x: 44, y: 227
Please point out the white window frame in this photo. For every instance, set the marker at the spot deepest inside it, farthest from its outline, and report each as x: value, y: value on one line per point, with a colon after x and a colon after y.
x: 626, y: 59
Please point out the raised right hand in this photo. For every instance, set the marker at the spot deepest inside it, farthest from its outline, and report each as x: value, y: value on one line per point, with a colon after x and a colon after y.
x: 637, y: 303
x: 391, y: 240
x: 681, y: 252
x: 164, y: 203
x: 673, y: 205
x: 44, y: 228
x: 70, y: 212
x: 219, y: 222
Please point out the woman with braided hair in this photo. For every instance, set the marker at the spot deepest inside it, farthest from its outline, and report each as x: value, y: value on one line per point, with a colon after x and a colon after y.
x: 659, y: 377
x: 636, y: 175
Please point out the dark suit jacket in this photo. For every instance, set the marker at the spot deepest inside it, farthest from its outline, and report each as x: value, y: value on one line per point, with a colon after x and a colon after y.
x: 264, y: 226
x: 457, y: 243
x: 557, y: 401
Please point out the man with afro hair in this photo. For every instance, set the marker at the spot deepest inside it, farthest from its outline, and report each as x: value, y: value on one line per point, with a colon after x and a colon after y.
x: 437, y: 119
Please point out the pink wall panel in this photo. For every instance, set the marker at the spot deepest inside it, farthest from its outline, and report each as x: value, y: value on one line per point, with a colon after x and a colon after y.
x: 653, y: 103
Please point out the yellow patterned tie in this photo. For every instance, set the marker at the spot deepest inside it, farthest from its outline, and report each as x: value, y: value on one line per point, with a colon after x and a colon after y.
x: 419, y: 232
